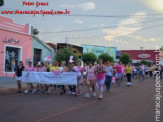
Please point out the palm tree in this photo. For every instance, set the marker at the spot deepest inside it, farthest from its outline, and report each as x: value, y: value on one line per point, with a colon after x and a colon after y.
x: 35, y: 32
x: 1, y: 2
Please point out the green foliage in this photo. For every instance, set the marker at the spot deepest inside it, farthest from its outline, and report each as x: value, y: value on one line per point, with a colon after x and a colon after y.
x: 105, y: 57
x: 125, y: 58
x: 146, y: 62
x: 89, y: 57
x: 64, y: 55
x: 1, y: 2
x: 35, y: 32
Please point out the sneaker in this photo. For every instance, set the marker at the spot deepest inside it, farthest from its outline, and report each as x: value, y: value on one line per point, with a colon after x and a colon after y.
x: 100, y: 96
x: 94, y: 94
x: 128, y: 84
x: 69, y: 92
x: 73, y: 93
x: 26, y: 92
x: 86, y: 96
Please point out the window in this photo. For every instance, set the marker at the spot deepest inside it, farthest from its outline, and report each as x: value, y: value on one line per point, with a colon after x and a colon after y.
x: 37, y: 55
x: 12, y: 57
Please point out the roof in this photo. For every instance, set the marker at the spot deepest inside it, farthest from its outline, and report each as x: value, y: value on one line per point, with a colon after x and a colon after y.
x: 43, y: 43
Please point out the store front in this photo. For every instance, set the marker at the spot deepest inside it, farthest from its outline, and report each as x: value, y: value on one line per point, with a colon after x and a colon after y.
x: 15, y: 45
x: 138, y: 55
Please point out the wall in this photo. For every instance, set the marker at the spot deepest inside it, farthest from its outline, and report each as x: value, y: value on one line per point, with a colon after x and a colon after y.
x: 97, y: 50
x: 25, y: 42
x: 45, y: 51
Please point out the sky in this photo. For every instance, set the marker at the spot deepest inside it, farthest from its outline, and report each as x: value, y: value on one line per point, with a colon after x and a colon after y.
x: 125, y: 24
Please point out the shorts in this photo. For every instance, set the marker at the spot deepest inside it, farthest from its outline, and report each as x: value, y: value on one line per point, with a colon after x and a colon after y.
x: 118, y: 75
x: 100, y: 84
x: 19, y: 78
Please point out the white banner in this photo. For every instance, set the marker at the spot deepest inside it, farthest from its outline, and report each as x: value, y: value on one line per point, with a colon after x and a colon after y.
x: 65, y: 78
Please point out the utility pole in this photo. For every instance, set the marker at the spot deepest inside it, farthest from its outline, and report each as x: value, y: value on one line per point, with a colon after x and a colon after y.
x: 66, y: 41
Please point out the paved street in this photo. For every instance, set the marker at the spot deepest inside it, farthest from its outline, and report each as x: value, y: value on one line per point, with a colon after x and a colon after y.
x: 122, y: 104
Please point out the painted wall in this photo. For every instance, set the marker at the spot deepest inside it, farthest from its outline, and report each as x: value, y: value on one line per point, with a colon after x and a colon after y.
x: 25, y: 43
x: 45, y: 50
x: 97, y: 50
x: 14, y: 35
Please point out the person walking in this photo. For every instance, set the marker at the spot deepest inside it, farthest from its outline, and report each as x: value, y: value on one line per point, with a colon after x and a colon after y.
x: 129, y: 69
x: 100, y: 77
x: 109, y: 74
x: 91, y: 80
x: 18, y: 76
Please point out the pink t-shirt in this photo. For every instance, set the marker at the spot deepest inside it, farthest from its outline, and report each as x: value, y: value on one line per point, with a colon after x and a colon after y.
x: 42, y: 69
x: 119, y: 68
x: 78, y: 69
x: 100, y: 72
x: 30, y: 68
x: 35, y: 69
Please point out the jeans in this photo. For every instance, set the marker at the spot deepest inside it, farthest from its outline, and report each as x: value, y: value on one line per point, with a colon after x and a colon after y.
x: 72, y: 88
x: 108, y: 82
x: 150, y: 73
x: 128, y: 77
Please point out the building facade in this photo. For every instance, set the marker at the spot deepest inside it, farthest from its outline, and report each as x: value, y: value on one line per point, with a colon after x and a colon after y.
x: 97, y: 50
x: 138, y: 55
x: 40, y: 50
x: 14, y: 39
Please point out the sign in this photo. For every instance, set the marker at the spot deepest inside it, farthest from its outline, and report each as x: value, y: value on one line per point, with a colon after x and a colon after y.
x: 144, y: 56
x: 98, y: 50
x: 10, y: 40
x: 65, y: 78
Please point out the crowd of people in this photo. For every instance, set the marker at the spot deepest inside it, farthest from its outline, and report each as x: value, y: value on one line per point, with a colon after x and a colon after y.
x: 92, y: 76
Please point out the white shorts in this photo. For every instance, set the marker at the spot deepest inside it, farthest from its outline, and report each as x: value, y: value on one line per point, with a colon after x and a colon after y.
x: 19, y: 78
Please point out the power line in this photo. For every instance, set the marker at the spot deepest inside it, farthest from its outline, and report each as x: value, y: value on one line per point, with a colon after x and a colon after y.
x: 101, y: 27
x: 113, y: 35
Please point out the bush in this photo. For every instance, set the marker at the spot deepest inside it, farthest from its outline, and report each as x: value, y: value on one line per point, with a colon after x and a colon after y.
x: 146, y: 62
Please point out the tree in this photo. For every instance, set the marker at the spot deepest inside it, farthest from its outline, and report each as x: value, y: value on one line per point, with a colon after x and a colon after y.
x: 35, y: 32
x: 1, y: 2
x: 105, y: 57
x: 125, y: 58
x: 64, y: 55
x: 89, y: 57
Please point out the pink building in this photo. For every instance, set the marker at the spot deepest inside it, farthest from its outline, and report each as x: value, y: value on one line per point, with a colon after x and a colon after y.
x: 15, y: 45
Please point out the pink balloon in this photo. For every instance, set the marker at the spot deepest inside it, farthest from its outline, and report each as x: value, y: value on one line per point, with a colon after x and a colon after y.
x: 56, y: 72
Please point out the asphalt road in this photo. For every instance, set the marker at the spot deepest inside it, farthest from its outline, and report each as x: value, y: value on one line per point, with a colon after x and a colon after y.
x: 122, y: 104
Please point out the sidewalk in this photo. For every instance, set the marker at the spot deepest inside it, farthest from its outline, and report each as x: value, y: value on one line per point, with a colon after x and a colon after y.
x: 7, y: 83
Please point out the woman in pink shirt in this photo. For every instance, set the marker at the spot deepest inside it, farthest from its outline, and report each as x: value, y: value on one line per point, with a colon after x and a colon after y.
x: 119, y: 73
x: 100, y: 77
x: 91, y: 78
x: 36, y: 70
x: 63, y: 68
x: 41, y: 68
x: 79, y: 70
x: 29, y: 68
